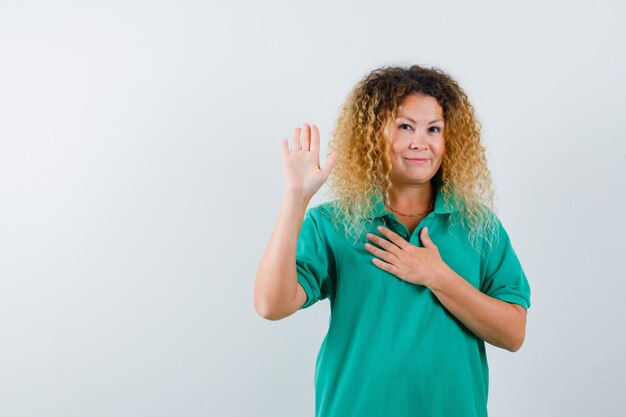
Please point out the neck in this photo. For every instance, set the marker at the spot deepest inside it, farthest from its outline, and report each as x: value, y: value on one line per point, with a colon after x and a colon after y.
x: 411, y: 199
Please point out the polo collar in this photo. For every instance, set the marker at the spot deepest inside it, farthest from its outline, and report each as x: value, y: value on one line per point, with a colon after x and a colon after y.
x: 379, y: 209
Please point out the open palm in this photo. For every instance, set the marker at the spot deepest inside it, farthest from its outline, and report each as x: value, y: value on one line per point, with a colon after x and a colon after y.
x: 301, y: 164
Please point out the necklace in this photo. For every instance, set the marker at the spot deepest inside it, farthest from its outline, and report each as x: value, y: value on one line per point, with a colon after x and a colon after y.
x: 430, y: 208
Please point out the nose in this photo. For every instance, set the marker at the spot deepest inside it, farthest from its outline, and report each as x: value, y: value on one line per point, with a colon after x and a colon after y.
x: 418, y: 146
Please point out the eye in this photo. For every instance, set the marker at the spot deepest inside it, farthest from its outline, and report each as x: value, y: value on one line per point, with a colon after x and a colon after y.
x: 403, y: 125
x: 436, y: 127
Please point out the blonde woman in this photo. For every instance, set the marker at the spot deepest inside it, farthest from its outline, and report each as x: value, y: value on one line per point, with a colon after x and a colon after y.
x: 418, y: 268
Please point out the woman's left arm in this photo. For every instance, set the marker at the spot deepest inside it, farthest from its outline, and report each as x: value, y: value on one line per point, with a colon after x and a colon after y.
x: 498, y: 322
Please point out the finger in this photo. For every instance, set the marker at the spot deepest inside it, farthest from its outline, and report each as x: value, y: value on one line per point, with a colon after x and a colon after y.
x: 306, y: 137
x: 285, y: 147
x: 384, y: 265
x: 384, y: 255
x: 295, y: 140
x: 315, y: 140
x: 383, y: 243
x: 394, y: 237
x: 330, y: 163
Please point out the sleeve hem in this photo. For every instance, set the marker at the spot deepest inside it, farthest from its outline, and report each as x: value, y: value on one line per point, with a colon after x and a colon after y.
x: 514, y: 298
x: 307, y: 289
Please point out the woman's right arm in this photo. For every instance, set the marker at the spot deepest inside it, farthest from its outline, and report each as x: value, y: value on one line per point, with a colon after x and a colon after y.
x: 277, y: 293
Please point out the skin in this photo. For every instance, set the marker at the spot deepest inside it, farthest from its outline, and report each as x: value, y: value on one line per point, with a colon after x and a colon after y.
x: 416, y: 132
x: 497, y: 322
x: 277, y: 293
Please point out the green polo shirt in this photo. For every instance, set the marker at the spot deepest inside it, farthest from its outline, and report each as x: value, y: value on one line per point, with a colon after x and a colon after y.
x: 391, y: 348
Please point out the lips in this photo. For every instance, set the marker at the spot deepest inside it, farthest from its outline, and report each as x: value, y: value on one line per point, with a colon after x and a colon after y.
x: 418, y: 159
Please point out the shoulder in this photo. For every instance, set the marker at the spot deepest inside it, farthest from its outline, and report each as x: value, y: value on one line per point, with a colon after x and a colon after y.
x: 323, y: 211
x: 325, y: 218
x: 484, y: 233
x: 496, y: 241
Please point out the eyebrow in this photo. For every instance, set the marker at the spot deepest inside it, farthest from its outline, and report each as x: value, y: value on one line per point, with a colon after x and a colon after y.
x: 414, y: 122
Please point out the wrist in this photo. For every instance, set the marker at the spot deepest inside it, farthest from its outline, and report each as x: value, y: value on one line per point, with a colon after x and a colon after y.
x: 441, y: 272
x: 296, y: 198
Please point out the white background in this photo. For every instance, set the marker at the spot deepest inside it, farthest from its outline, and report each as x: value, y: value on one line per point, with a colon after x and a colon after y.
x: 140, y: 181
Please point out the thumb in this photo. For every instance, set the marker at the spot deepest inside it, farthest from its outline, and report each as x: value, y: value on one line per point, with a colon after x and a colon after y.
x: 330, y: 162
x: 426, y: 240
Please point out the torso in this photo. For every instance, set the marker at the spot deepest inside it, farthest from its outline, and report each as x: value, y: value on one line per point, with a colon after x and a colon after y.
x: 410, y: 222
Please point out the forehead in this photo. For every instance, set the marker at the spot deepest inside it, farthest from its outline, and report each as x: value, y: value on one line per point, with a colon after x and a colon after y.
x: 418, y: 106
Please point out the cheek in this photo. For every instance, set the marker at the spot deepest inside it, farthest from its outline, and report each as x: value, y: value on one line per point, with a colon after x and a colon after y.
x: 394, y: 152
x: 440, y: 148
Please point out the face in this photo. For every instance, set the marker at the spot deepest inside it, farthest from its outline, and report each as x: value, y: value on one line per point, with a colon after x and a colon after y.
x: 417, y: 140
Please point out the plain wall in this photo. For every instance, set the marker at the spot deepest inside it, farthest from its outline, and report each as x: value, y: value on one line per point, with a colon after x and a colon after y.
x: 140, y: 181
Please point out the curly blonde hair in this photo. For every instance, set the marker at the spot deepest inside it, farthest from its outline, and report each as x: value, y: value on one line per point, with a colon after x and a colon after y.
x: 364, y: 167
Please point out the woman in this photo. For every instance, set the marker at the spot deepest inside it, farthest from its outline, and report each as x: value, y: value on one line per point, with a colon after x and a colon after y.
x: 419, y: 270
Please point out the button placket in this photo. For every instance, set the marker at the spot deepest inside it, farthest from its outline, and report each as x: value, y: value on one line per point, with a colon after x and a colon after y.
x: 393, y: 225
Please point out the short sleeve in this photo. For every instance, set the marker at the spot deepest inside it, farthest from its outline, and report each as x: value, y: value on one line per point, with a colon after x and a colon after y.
x: 504, y: 277
x: 312, y: 259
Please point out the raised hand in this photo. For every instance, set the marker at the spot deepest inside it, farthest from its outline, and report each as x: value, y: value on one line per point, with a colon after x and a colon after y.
x: 301, y: 164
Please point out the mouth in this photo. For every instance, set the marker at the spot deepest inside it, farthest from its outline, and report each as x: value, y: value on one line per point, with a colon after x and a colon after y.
x: 418, y: 160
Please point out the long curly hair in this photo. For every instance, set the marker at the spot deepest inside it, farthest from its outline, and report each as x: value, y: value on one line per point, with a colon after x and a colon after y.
x: 364, y: 167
